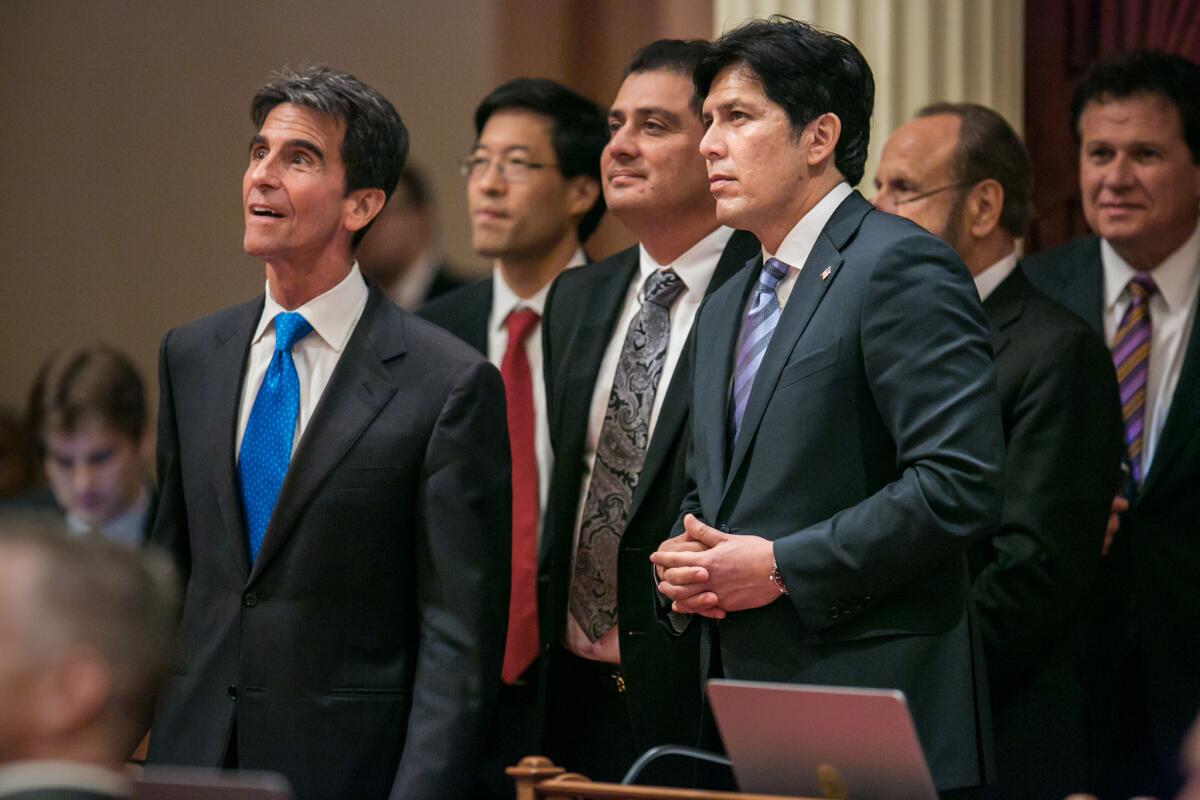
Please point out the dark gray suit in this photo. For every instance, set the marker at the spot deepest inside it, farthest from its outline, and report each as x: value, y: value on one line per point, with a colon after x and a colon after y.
x: 870, y: 452
x: 1150, y: 606
x: 360, y: 653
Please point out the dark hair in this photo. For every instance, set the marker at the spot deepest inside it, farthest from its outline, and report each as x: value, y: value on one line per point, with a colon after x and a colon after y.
x: 579, y: 130
x: 672, y: 55
x: 988, y: 148
x: 95, y: 382
x: 375, y: 142
x: 121, y: 603
x: 806, y: 71
x: 1133, y: 72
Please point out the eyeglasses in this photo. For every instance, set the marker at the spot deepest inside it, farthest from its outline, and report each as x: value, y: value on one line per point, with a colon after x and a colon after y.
x: 512, y: 168
x: 896, y: 202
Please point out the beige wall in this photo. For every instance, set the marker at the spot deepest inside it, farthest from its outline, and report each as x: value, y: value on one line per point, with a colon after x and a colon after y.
x: 920, y: 51
x: 123, y: 135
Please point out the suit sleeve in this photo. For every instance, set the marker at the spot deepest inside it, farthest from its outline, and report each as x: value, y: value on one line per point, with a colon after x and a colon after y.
x: 170, y: 531
x: 1063, y: 466
x: 463, y: 556
x: 927, y: 361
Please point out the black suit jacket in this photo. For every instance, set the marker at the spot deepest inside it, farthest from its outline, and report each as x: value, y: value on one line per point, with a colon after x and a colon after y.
x: 464, y: 312
x: 582, y: 312
x: 359, y: 654
x: 1034, y: 575
x: 870, y: 452
x: 1155, y: 568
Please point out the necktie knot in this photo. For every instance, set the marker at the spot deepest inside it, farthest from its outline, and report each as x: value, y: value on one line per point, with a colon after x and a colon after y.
x: 773, y: 272
x: 1142, y: 286
x: 520, y: 324
x: 662, y: 287
x: 290, y: 327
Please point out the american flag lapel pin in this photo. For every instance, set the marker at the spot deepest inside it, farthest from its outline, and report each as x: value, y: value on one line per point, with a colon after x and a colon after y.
x: 825, y: 272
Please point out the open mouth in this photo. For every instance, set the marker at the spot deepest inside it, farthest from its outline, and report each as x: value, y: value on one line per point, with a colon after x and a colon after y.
x: 261, y: 211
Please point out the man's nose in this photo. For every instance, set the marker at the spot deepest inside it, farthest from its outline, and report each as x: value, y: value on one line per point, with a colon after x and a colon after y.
x: 264, y: 171
x: 712, y: 145
x: 622, y: 144
x: 1120, y: 172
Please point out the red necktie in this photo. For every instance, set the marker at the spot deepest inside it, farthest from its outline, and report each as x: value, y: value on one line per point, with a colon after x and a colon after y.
x: 522, y: 644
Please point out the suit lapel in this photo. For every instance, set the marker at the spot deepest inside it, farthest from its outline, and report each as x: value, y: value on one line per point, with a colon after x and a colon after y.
x: 741, y: 247
x: 1183, y: 418
x: 358, y: 388
x: 1004, y: 307
x: 477, y: 312
x: 224, y: 373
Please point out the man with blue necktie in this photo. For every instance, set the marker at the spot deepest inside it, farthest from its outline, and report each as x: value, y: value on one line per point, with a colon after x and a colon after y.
x: 333, y: 491
x: 846, y: 440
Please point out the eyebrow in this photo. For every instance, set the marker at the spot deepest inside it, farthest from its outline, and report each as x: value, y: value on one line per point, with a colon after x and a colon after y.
x: 296, y: 144
x: 509, y: 149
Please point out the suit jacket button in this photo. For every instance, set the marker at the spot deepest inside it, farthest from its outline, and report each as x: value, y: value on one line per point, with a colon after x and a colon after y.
x: 232, y: 692
x: 250, y: 600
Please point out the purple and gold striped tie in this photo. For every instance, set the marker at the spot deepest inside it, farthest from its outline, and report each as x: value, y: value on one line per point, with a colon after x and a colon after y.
x: 757, y: 328
x: 1131, y: 357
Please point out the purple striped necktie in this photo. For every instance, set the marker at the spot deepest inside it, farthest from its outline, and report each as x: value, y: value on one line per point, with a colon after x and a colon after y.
x: 757, y: 328
x: 1131, y: 357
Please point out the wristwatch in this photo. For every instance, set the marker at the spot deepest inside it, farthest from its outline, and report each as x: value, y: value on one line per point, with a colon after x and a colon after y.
x: 777, y: 578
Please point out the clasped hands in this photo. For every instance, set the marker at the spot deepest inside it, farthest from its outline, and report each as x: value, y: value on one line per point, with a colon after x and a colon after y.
x: 704, y: 571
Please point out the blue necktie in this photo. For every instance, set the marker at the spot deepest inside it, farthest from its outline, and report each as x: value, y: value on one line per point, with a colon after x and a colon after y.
x: 267, y: 442
x: 757, y: 327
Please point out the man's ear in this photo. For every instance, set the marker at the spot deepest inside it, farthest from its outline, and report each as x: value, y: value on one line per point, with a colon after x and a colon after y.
x: 985, y: 202
x: 78, y: 687
x: 582, y: 191
x: 362, y: 206
x: 824, y: 131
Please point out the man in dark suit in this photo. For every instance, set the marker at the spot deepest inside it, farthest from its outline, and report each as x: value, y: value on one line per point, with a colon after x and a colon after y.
x: 344, y: 614
x: 961, y: 172
x: 1135, y: 282
x: 400, y: 253
x: 618, y: 684
x: 533, y: 188
x: 85, y: 632
x: 846, y: 440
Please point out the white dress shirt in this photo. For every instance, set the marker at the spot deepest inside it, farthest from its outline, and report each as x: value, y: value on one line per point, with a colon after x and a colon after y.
x: 127, y: 528
x: 801, y: 239
x: 18, y: 777
x: 695, y: 268
x: 1172, y: 314
x: 333, y: 316
x: 987, y: 281
x: 504, y: 302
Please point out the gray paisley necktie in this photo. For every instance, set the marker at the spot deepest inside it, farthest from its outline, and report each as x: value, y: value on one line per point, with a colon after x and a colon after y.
x: 619, y: 456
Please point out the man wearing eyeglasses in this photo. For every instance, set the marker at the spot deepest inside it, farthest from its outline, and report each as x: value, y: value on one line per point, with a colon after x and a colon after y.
x: 961, y: 172
x: 533, y: 191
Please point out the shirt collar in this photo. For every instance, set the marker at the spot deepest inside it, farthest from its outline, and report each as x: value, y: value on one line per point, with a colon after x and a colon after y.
x: 127, y: 527
x: 695, y: 267
x: 803, y: 236
x: 505, y: 300
x: 987, y: 281
x: 332, y: 314
x: 26, y: 776
x: 1177, y: 277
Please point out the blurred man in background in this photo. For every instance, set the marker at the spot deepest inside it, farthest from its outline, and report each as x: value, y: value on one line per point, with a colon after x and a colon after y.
x: 85, y: 635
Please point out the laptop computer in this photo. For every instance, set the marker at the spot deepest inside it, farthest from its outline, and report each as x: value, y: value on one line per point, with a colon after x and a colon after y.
x: 181, y: 783
x: 820, y: 741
